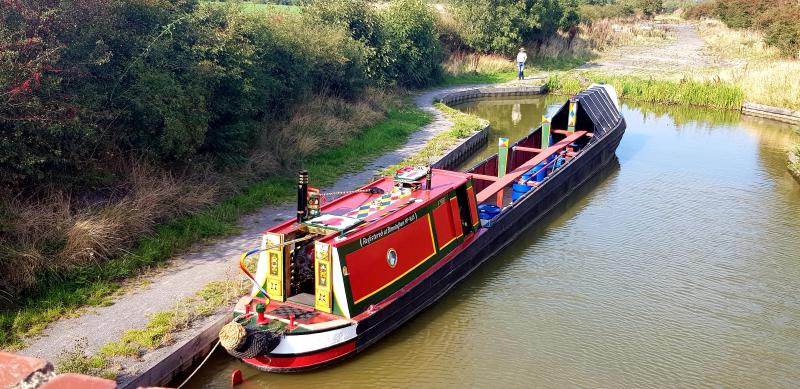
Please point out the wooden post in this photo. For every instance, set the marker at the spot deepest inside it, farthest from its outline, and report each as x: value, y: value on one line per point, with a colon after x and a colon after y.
x: 573, y: 113
x: 502, y: 161
x: 545, y: 131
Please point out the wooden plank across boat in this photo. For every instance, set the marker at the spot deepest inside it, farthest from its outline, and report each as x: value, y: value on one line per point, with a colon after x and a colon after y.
x: 348, y: 271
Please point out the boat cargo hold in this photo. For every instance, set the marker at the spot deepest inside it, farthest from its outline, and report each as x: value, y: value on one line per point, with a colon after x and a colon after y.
x: 348, y: 271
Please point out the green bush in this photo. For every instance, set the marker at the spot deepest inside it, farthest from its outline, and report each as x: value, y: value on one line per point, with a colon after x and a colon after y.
x: 179, y: 81
x: 781, y: 28
x: 501, y: 26
x: 360, y: 18
x: 411, y: 44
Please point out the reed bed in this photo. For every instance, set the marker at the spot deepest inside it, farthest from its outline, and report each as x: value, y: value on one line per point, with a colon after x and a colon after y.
x: 698, y: 93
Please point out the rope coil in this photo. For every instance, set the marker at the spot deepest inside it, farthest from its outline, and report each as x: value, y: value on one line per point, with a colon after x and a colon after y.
x: 232, y: 335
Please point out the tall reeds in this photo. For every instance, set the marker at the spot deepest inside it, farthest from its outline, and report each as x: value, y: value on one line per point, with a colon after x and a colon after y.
x: 699, y: 93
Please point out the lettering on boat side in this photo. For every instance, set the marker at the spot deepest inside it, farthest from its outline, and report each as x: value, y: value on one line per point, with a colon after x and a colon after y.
x: 387, y: 230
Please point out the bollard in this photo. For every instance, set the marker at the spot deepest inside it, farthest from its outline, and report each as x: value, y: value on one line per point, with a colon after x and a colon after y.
x: 261, y: 308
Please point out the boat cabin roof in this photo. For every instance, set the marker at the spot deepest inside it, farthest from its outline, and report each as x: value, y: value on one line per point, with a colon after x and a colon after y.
x: 361, y: 213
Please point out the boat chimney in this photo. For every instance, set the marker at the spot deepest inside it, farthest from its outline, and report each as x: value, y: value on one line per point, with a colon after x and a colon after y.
x: 302, y: 195
x: 429, y: 178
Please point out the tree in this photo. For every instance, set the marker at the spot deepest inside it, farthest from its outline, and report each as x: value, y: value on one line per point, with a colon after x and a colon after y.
x: 503, y: 25
x: 650, y: 7
x: 411, y: 43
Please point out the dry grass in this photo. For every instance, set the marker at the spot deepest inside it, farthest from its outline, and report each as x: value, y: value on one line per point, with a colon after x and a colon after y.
x: 462, y: 63
x: 325, y: 121
x: 726, y: 43
x: 56, y: 231
x: 743, y: 59
x: 604, y: 34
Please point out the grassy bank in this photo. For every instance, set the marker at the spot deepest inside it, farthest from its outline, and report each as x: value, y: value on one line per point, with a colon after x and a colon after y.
x: 158, y: 332
x: 60, y: 294
x: 744, y: 59
x: 698, y: 93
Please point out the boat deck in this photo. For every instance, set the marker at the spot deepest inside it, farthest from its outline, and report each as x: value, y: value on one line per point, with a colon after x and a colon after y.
x: 305, y: 316
x: 375, y: 211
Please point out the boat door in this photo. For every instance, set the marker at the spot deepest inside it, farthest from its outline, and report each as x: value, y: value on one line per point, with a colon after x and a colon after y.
x: 467, y: 206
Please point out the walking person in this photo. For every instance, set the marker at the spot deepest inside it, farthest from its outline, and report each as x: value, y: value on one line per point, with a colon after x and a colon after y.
x: 521, y: 59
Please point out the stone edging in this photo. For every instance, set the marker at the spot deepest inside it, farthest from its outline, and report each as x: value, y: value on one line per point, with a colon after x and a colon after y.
x: 781, y: 114
x: 475, y: 93
x: 182, y: 359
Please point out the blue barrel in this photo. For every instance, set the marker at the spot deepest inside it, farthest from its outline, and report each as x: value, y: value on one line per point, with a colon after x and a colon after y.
x: 488, y: 211
x: 519, y: 189
x: 541, y: 171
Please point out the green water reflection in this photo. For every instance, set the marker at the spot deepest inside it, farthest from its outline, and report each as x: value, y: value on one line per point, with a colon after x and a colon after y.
x: 677, y: 267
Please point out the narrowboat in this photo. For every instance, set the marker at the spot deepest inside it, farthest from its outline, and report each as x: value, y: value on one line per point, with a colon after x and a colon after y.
x: 349, y: 270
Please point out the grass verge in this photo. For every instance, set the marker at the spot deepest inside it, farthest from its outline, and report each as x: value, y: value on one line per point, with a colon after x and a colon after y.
x: 464, y: 125
x: 698, y: 93
x: 157, y: 332
x: 77, y: 361
x: 744, y: 59
x: 93, y: 284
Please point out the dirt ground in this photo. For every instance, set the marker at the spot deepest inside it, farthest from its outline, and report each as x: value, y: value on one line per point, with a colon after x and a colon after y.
x: 670, y: 58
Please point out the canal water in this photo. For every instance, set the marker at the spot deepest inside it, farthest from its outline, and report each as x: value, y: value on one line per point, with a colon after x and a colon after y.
x: 679, y: 266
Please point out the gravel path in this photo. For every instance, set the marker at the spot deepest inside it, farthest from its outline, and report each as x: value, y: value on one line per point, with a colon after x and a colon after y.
x: 671, y: 57
x: 204, y: 263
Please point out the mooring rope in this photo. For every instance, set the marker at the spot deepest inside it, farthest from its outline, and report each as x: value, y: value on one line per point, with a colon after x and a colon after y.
x: 234, y: 321
x: 199, y: 366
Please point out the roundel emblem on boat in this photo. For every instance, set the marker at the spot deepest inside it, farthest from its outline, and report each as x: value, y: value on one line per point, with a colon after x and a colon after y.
x: 391, y: 257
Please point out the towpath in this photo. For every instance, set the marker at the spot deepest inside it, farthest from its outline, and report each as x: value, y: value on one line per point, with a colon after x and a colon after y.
x: 672, y: 57
x: 204, y: 263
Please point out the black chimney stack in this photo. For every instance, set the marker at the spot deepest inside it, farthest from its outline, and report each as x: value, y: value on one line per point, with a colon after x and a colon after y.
x: 302, y: 195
